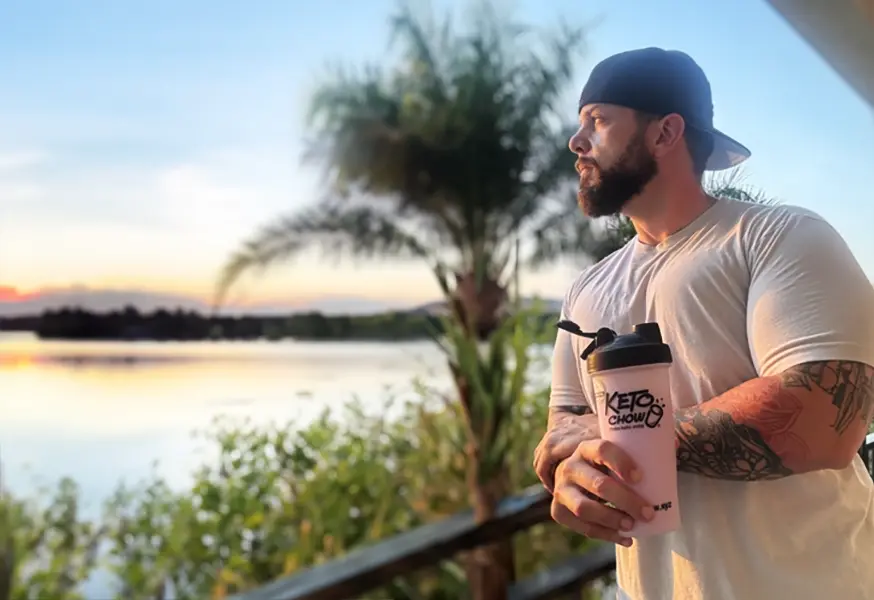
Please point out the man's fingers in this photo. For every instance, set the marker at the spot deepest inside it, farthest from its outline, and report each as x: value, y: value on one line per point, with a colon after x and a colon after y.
x: 545, y: 473
x: 591, y: 511
x: 547, y: 456
x: 578, y: 472
x: 564, y: 517
x: 611, y: 456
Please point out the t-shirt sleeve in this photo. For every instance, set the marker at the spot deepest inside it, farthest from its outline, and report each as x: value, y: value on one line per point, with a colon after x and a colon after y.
x: 566, y: 388
x: 809, y: 299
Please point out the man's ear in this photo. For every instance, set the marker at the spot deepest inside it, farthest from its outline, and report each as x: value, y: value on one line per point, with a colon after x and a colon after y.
x: 670, y: 132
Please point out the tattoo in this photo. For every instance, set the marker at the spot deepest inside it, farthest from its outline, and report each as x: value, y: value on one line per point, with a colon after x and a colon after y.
x: 755, y: 441
x: 714, y: 445
x: 762, y: 430
x: 575, y: 409
x: 850, y: 385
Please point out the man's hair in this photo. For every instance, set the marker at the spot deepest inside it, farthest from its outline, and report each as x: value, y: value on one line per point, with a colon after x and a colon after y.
x: 698, y: 143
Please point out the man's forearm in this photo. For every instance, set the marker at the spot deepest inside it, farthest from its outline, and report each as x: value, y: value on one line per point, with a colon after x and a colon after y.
x: 571, y: 412
x: 711, y: 442
x: 809, y: 418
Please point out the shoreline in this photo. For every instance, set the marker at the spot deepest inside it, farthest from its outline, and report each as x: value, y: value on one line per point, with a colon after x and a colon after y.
x: 131, y: 325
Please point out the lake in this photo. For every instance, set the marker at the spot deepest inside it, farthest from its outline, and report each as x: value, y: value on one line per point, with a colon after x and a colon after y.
x: 101, y: 412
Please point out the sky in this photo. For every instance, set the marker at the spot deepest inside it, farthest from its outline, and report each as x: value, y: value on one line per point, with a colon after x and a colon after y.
x: 141, y: 142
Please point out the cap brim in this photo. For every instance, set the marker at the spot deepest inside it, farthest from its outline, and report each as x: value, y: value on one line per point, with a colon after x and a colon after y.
x: 727, y: 153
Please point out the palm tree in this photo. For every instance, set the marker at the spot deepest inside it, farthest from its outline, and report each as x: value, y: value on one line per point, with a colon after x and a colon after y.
x: 457, y: 157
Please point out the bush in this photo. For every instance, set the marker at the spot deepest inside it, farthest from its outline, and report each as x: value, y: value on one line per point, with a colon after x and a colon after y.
x: 46, y: 550
x: 278, y: 499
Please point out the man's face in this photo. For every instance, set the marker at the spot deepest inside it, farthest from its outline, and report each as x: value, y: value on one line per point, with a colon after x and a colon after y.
x: 613, y: 160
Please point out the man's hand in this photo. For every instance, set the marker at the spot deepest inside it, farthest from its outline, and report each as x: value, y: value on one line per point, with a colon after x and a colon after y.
x: 568, y: 427
x: 584, y: 473
x: 594, y: 475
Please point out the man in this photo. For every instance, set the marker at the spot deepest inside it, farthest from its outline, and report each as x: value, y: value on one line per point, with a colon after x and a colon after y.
x: 771, y: 324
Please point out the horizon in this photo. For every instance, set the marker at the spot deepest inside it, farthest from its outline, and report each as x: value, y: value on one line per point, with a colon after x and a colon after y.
x: 102, y: 300
x: 143, y: 143
x: 106, y: 301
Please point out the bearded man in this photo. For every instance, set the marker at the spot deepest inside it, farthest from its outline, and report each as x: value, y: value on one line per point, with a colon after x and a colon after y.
x: 771, y: 324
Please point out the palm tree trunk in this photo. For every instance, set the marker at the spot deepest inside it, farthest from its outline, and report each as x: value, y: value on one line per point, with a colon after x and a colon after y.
x: 490, y: 569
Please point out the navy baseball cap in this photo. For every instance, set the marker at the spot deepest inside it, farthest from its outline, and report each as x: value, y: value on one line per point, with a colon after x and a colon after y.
x: 662, y: 82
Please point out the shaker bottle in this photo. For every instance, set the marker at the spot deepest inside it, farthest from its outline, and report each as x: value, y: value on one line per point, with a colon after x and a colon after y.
x: 631, y: 379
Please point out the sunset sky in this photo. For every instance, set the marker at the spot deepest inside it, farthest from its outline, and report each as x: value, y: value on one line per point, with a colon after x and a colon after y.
x: 141, y: 141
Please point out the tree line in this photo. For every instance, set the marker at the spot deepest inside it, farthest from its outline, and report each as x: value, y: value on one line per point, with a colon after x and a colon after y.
x: 131, y: 324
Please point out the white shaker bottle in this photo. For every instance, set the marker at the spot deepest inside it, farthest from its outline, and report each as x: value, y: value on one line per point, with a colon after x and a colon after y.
x: 631, y: 378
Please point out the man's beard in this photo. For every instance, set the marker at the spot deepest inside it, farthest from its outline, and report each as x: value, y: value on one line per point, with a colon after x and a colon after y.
x: 620, y: 183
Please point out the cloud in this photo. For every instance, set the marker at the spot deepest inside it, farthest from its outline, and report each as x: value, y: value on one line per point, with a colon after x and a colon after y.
x: 222, y: 188
x: 17, y: 184
x: 62, y: 223
x: 170, y: 227
x: 14, y: 192
x: 194, y: 196
x: 15, y: 161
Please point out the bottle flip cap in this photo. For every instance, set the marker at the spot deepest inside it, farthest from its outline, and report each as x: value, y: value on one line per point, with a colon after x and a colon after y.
x: 607, y: 350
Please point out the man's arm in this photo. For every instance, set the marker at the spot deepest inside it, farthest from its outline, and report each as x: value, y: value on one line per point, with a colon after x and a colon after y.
x: 810, y: 328
x: 570, y: 420
x: 567, y: 413
x: 568, y: 426
x: 577, y: 410
x: 812, y: 416
x: 567, y: 400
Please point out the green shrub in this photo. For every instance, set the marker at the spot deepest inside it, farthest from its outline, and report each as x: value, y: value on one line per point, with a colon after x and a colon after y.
x: 278, y: 499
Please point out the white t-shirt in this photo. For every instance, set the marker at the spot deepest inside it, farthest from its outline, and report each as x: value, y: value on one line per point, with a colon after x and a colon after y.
x: 743, y: 291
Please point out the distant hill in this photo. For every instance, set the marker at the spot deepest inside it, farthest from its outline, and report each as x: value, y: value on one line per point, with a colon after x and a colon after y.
x: 96, y: 300
x: 101, y: 300
x: 438, y: 307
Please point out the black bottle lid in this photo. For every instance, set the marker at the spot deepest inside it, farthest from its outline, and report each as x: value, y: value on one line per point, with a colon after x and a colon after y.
x: 643, y: 346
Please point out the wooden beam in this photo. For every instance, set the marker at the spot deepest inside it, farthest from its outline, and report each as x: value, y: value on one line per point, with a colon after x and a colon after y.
x: 567, y: 576
x: 371, y: 566
x: 842, y: 32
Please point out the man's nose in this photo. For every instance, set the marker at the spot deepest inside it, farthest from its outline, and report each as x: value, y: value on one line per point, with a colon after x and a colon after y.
x: 579, y: 143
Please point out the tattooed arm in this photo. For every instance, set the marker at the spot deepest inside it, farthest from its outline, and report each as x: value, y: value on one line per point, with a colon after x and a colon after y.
x: 572, y: 409
x: 812, y: 416
x: 810, y: 330
x: 565, y: 413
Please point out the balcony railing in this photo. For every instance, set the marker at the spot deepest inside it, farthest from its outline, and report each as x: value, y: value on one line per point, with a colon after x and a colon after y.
x: 370, y: 567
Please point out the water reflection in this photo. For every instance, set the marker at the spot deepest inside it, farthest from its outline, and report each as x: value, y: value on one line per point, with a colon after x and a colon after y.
x: 102, y: 412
